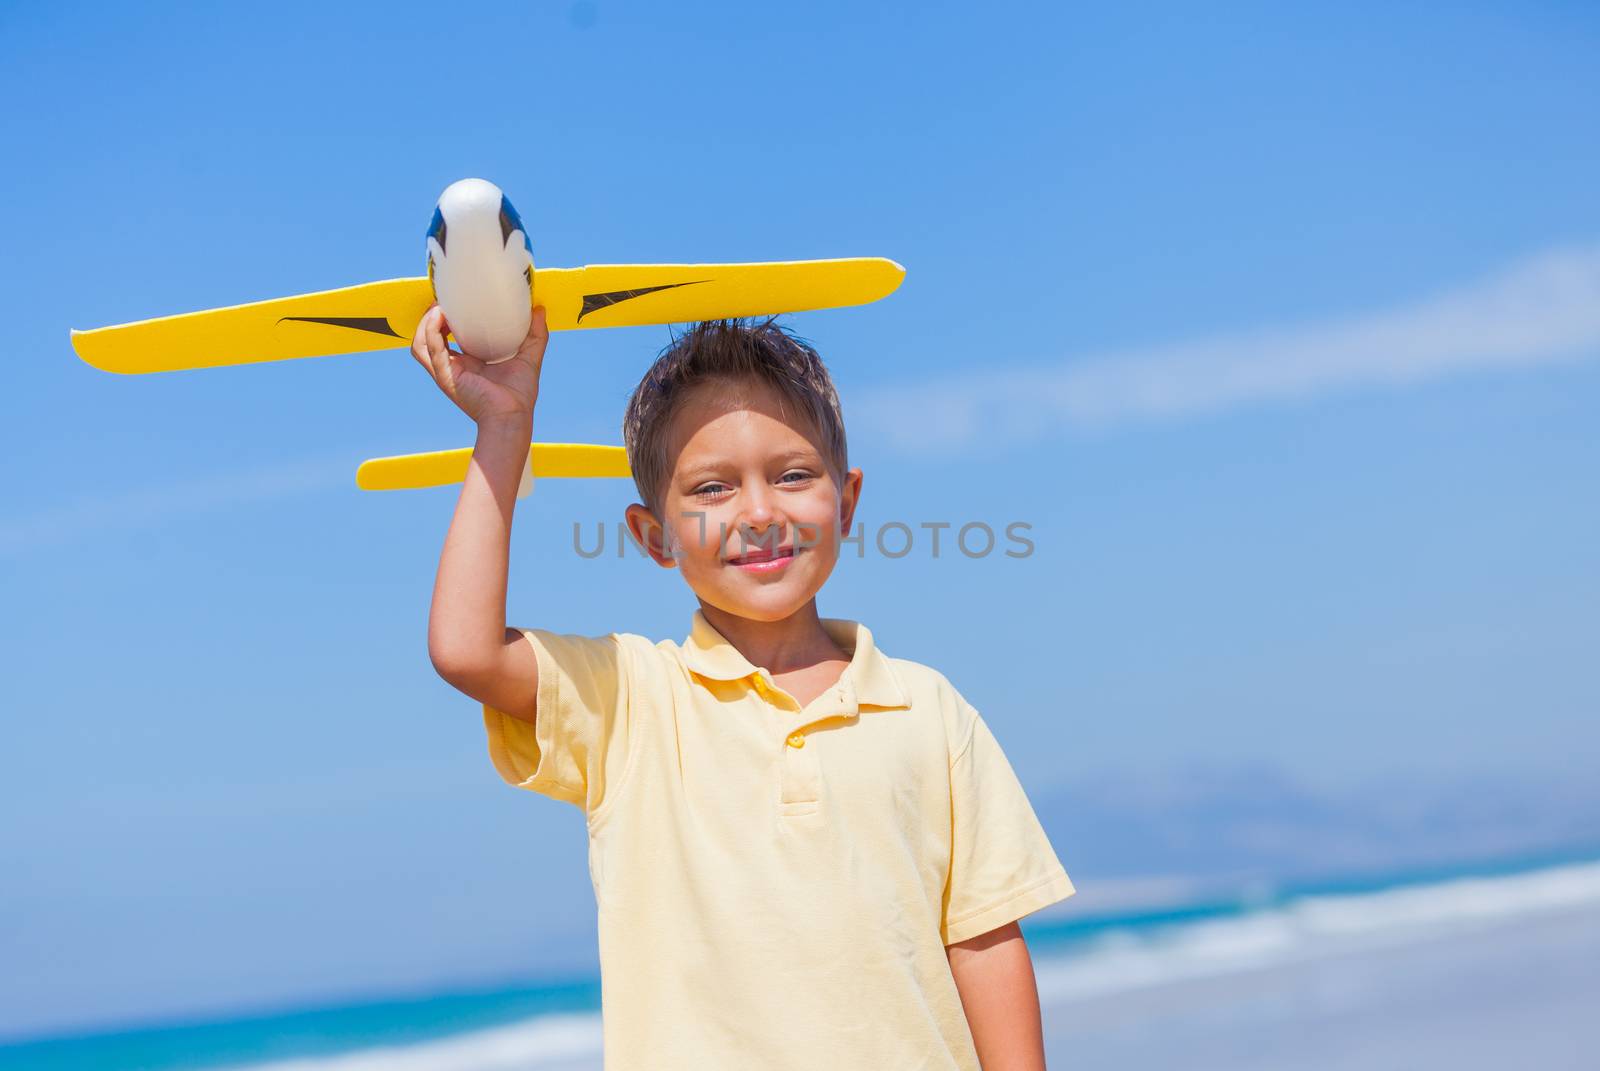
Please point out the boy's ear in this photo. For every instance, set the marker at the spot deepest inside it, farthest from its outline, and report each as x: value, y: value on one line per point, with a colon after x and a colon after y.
x: 649, y: 534
x: 849, y: 496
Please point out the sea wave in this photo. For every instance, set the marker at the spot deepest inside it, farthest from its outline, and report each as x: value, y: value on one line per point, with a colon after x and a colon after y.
x: 1121, y: 959
x: 1307, y: 927
x: 544, y: 1042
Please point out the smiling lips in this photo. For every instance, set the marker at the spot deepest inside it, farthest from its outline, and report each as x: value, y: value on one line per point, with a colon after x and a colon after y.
x: 764, y: 559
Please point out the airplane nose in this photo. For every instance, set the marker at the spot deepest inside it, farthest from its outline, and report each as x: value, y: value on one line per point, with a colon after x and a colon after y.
x: 480, y: 263
x: 470, y: 195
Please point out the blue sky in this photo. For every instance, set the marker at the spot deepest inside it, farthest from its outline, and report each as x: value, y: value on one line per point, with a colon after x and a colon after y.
x: 1278, y: 328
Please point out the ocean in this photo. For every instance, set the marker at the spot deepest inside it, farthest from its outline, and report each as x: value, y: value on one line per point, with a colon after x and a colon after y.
x: 1388, y: 971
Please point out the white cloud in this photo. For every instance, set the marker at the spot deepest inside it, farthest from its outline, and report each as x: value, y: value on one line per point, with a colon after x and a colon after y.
x: 1538, y: 311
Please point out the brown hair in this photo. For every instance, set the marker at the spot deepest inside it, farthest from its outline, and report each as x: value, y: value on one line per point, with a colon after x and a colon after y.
x: 731, y: 350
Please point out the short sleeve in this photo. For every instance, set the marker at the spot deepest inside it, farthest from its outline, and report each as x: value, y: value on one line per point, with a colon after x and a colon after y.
x: 1002, y: 866
x: 577, y: 744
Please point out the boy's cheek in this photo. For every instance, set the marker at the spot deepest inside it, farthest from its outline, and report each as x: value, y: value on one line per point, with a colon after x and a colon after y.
x: 811, y: 535
x: 701, y: 536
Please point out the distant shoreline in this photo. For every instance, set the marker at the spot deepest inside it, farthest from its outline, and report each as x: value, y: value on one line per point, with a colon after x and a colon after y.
x: 1210, y: 942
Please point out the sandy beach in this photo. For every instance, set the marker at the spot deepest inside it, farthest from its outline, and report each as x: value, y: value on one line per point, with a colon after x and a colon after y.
x: 1476, y: 971
x: 1520, y: 993
x: 1496, y: 992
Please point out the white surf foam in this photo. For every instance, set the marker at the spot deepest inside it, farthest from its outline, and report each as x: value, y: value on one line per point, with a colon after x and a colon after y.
x: 1309, y: 927
x: 1303, y: 928
x: 545, y: 1042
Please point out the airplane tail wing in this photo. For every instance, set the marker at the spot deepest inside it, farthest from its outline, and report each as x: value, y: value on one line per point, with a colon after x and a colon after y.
x: 373, y: 316
x: 441, y: 467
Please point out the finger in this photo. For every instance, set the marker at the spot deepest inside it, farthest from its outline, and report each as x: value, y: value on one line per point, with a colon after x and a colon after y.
x: 419, y: 338
x: 427, y: 335
x: 533, y: 344
x: 439, y: 354
x: 436, y: 331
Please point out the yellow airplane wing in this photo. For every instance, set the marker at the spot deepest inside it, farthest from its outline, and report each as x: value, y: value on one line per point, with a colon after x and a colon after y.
x: 373, y: 316
x: 384, y: 315
x: 630, y: 295
x: 407, y: 471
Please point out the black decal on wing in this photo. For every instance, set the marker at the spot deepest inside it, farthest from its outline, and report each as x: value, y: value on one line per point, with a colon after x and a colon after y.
x: 596, y: 302
x: 378, y: 325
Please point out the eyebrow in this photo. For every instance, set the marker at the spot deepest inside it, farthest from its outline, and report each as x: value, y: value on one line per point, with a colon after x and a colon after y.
x: 700, y: 472
x: 789, y: 457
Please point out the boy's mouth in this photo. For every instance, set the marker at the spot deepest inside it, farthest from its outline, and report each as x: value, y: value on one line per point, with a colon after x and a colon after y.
x: 764, y: 558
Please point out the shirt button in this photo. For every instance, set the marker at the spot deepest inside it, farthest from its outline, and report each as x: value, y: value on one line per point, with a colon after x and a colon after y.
x: 797, y: 740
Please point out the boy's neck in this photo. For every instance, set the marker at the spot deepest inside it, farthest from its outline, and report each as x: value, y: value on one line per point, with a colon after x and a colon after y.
x: 796, y: 642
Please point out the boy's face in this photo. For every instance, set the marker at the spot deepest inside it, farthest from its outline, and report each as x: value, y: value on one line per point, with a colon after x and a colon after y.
x: 751, y: 511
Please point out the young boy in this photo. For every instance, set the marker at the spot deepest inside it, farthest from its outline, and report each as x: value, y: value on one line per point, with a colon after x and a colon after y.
x: 805, y: 853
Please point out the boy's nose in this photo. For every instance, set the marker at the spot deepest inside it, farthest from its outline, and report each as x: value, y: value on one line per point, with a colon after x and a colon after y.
x: 768, y: 535
x: 758, y: 508
x: 759, y: 519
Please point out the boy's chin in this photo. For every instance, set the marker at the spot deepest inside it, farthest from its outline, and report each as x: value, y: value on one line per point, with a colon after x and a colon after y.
x: 769, y: 604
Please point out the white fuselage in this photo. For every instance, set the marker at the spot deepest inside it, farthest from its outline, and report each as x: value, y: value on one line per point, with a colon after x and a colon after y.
x: 481, y: 264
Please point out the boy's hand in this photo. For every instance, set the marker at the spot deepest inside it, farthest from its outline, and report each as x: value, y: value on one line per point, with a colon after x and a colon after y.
x: 507, y: 388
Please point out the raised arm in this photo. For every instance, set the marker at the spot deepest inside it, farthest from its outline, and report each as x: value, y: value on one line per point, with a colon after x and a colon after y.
x: 468, y: 641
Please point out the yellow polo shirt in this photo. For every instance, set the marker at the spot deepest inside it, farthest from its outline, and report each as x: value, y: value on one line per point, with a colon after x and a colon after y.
x: 776, y: 885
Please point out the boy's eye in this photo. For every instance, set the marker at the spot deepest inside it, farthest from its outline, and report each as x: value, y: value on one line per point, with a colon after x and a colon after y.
x: 795, y: 475
x: 710, y: 490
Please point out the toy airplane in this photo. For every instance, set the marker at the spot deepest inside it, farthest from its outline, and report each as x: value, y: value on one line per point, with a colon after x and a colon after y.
x: 481, y: 272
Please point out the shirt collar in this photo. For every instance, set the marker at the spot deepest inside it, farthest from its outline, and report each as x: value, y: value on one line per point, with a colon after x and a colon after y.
x: 710, y: 655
